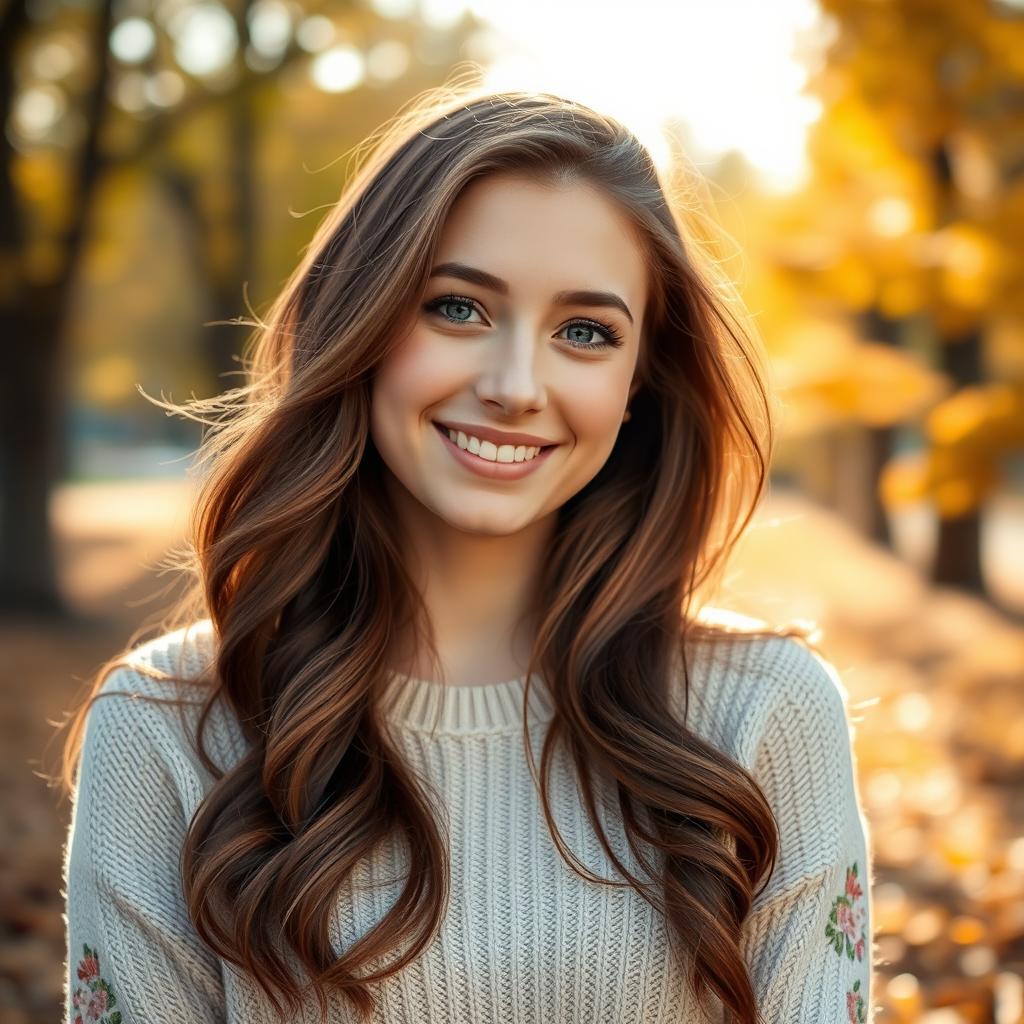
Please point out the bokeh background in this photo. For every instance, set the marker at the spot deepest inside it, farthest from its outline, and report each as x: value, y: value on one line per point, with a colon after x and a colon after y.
x: 162, y: 165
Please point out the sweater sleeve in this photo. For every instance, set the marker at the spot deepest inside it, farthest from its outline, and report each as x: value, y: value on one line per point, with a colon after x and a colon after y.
x: 133, y: 956
x: 808, y: 939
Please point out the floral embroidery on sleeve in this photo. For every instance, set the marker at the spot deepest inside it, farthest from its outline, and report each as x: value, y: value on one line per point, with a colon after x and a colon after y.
x: 846, y: 931
x: 855, y: 1007
x: 845, y: 928
x: 93, y: 999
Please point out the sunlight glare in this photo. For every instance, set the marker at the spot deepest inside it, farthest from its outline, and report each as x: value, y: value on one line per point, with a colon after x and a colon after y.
x: 727, y: 70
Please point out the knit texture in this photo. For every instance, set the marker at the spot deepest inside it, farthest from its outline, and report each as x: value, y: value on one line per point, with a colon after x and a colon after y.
x: 525, y: 939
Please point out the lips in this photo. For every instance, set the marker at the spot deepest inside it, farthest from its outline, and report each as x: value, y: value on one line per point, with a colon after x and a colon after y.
x: 496, y: 437
x: 532, y: 451
x: 494, y: 471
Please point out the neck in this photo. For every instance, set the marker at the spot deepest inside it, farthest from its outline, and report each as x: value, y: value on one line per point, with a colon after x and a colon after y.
x: 477, y: 590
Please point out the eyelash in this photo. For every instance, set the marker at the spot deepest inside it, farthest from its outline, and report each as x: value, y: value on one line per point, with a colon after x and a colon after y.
x: 612, y: 337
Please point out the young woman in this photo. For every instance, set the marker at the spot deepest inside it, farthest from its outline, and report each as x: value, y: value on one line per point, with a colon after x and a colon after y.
x: 445, y: 731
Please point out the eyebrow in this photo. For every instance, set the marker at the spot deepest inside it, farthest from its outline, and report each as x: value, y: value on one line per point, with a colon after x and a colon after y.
x: 496, y: 284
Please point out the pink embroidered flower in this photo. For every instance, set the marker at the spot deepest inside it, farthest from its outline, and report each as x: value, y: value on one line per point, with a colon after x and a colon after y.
x: 847, y: 919
x: 97, y: 1004
x: 856, y: 1011
x: 846, y: 926
x: 93, y: 996
x: 853, y: 889
x: 88, y: 967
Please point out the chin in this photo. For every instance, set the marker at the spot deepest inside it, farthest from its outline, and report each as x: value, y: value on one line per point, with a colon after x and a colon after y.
x: 485, y: 522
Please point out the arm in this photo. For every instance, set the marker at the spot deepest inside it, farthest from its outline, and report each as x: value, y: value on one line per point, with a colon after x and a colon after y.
x: 808, y: 939
x: 133, y: 956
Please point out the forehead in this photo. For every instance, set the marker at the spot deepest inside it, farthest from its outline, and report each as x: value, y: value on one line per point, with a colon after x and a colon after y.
x: 545, y: 237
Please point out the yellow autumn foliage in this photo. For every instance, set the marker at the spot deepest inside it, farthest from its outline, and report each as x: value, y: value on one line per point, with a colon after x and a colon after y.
x: 969, y: 434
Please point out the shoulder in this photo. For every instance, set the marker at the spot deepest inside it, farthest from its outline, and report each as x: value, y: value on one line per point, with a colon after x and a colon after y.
x: 779, y: 708
x: 149, y: 706
x: 747, y: 691
x: 187, y: 652
x: 169, y: 667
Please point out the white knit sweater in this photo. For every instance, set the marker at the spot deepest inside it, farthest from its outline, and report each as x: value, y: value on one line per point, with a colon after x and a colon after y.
x: 525, y: 939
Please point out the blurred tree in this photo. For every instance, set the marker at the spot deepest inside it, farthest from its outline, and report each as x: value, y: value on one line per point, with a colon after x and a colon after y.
x: 914, y: 226
x: 35, y: 287
x: 847, y: 382
x: 48, y: 192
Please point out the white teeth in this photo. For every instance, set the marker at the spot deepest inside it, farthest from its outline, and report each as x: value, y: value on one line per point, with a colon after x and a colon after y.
x: 493, y: 453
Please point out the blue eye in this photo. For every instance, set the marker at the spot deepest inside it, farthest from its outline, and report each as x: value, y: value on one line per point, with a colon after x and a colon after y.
x: 453, y: 300
x: 612, y: 339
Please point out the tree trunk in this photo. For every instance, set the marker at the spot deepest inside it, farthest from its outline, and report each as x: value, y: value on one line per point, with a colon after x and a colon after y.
x: 30, y: 453
x: 882, y: 329
x: 224, y: 345
x: 958, y: 545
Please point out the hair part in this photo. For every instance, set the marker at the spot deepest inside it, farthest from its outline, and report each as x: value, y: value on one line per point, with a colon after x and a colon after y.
x: 293, y: 557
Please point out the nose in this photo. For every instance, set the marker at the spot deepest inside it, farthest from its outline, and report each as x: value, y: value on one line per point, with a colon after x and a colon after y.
x: 512, y: 380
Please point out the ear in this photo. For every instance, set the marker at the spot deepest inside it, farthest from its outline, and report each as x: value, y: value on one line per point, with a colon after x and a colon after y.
x: 633, y: 389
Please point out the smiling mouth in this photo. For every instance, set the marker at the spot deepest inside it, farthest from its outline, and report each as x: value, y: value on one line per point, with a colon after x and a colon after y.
x: 520, y: 453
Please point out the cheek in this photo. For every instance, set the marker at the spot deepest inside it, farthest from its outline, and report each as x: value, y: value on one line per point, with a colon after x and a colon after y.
x: 593, y: 406
x: 416, y: 377
x: 418, y: 373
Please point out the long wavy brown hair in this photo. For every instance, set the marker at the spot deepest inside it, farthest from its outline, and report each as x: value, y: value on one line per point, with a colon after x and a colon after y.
x: 291, y: 555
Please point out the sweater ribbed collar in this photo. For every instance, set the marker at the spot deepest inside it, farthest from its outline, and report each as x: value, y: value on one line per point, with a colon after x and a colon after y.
x: 423, y: 705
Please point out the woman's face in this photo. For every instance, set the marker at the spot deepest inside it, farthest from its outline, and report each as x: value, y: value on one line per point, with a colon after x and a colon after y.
x: 501, y: 346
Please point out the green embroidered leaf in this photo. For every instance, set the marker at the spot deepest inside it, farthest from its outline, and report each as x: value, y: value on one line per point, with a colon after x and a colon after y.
x: 856, y: 985
x: 832, y: 916
x: 115, y: 1018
